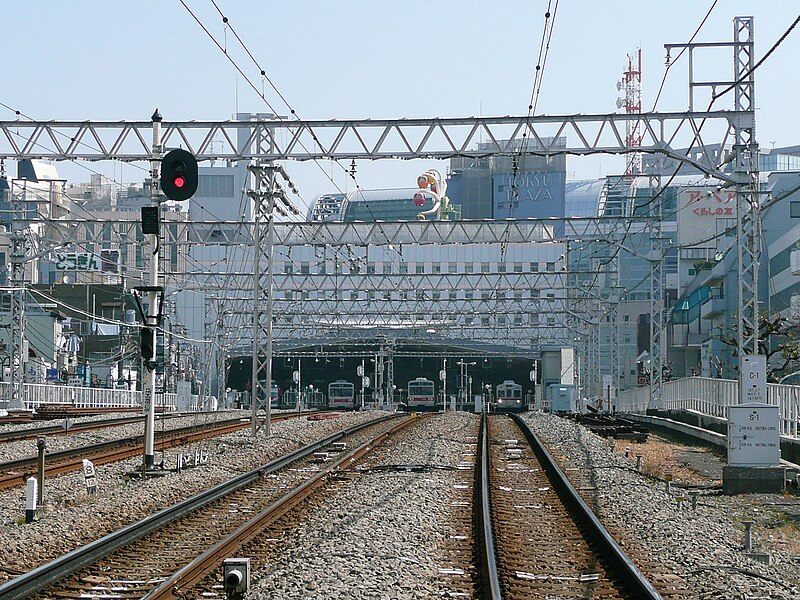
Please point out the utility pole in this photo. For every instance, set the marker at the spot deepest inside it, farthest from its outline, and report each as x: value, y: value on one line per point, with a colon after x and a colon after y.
x: 444, y: 383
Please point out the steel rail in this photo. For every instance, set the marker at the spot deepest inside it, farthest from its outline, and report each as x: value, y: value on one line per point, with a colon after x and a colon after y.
x: 178, y: 585
x: 73, y: 457
x: 483, y: 520
x: 606, y: 544
x: 33, y: 433
x: 37, y: 580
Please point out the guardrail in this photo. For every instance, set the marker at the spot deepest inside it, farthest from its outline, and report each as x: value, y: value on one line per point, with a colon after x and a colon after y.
x: 713, y: 397
x: 37, y: 394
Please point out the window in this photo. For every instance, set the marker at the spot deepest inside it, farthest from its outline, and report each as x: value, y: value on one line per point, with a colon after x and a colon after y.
x: 436, y: 268
x: 501, y: 267
x: 453, y: 295
x: 288, y: 268
x: 371, y: 269
x: 420, y: 269
x: 452, y: 268
x: 404, y: 268
x: 468, y: 268
x: 305, y: 268
x: 517, y: 267
x: 794, y: 209
x: 551, y: 266
x: 484, y: 267
x: 468, y: 295
x: 387, y: 268
x: 436, y: 295
x: 517, y: 319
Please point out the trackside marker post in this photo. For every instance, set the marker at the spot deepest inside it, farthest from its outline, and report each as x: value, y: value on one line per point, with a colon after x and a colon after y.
x: 30, y: 500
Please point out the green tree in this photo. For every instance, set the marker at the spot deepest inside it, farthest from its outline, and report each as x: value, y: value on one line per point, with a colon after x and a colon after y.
x: 778, y: 340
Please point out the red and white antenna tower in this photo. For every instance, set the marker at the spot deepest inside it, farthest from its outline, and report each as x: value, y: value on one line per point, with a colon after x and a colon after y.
x: 632, y: 84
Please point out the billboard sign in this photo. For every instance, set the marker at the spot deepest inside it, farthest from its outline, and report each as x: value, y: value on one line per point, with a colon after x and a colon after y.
x: 699, y: 210
x: 105, y: 262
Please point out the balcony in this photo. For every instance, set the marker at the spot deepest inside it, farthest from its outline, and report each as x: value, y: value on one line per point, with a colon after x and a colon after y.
x: 713, y: 308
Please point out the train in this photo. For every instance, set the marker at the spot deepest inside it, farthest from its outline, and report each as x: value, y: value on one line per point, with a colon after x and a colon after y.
x: 421, y: 395
x: 508, y: 397
x: 341, y: 394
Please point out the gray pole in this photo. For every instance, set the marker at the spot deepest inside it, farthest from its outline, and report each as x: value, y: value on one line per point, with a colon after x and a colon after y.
x: 149, y: 387
x: 41, y: 443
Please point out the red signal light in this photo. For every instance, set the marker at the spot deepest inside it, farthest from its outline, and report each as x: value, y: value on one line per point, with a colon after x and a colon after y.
x: 179, y: 182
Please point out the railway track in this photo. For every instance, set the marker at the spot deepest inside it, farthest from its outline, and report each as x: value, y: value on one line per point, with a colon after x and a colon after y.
x: 163, y: 555
x: 16, y: 472
x: 541, y: 536
x: 524, y: 532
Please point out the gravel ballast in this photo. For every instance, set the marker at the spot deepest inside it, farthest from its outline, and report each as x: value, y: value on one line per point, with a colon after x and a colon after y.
x: 380, y: 535
x: 72, y: 518
x: 704, y: 549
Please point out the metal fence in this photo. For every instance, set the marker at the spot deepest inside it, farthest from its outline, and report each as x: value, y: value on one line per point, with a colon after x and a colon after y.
x: 37, y: 394
x: 713, y: 397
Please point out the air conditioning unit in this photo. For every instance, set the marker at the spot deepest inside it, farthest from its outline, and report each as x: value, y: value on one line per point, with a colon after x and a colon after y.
x: 794, y: 306
x: 794, y: 261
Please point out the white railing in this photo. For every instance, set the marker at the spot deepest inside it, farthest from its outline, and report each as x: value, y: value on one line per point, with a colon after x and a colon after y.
x: 713, y: 397
x: 37, y: 394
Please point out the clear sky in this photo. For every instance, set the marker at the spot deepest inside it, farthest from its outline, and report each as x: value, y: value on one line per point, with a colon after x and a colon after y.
x: 115, y: 60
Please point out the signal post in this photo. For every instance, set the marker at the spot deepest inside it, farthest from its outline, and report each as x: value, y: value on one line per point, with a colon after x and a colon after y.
x: 178, y: 181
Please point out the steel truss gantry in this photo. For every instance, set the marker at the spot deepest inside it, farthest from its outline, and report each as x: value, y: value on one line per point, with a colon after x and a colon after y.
x: 385, y: 233
x: 264, y: 194
x: 745, y: 172
x: 368, y: 139
x: 18, y: 298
